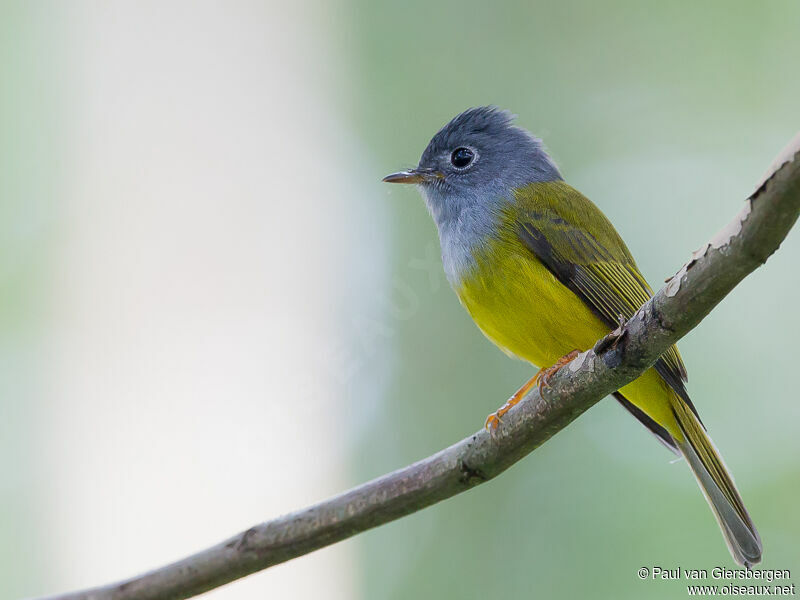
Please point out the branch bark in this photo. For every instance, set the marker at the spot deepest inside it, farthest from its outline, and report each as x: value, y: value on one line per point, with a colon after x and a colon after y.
x: 686, y: 298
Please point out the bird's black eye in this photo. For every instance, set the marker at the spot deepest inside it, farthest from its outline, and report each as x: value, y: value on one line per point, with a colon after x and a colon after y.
x: 462, y: 157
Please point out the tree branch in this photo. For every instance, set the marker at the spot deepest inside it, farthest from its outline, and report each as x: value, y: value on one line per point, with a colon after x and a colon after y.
x: 713, y: 271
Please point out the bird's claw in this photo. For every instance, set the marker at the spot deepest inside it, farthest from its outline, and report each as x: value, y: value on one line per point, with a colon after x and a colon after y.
x: 492, y: 422
x: 541, y: 379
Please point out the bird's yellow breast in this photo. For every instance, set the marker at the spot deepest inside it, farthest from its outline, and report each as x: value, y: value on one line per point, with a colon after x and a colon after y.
x: 523, y: 308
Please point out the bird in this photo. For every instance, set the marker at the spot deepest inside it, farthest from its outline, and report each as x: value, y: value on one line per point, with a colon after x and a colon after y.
x: 544, y: 275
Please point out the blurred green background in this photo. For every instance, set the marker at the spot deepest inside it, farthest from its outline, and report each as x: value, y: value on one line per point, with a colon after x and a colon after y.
x: 664, y: 114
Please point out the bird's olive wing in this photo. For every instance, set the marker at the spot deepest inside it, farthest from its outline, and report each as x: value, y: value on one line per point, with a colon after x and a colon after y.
x: 606, y: 279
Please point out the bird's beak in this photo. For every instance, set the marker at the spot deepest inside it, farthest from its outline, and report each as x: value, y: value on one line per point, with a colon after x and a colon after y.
x: 413, y: 176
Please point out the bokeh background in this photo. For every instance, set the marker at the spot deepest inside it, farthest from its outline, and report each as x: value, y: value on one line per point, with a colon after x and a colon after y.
x: 212, y: 311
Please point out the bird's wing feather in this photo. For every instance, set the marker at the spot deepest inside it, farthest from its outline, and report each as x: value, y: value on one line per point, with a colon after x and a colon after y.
x: 577, y: 243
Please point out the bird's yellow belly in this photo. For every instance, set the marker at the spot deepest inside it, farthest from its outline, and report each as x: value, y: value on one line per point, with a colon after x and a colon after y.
x: 521, y: 307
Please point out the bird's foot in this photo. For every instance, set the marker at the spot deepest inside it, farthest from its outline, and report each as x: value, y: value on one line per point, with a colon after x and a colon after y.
x: 546, y: 374
x: 542, y: 379
x: 493, y: 420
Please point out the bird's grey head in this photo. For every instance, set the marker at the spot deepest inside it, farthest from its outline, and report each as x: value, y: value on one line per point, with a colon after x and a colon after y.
x: 475, y: 162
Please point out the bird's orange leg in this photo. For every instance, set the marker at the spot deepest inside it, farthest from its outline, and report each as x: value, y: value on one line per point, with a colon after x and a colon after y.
x: 493, y: 420
x: 542, y: 378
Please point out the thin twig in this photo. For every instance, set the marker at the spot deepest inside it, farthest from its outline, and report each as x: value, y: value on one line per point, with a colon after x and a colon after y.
x: 713, y: 271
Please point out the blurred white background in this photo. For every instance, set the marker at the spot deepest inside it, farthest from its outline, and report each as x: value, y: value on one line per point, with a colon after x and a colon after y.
x: 193, y: 289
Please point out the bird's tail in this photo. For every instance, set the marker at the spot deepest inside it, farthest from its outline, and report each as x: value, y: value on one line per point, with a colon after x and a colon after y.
x: 717, y: 486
